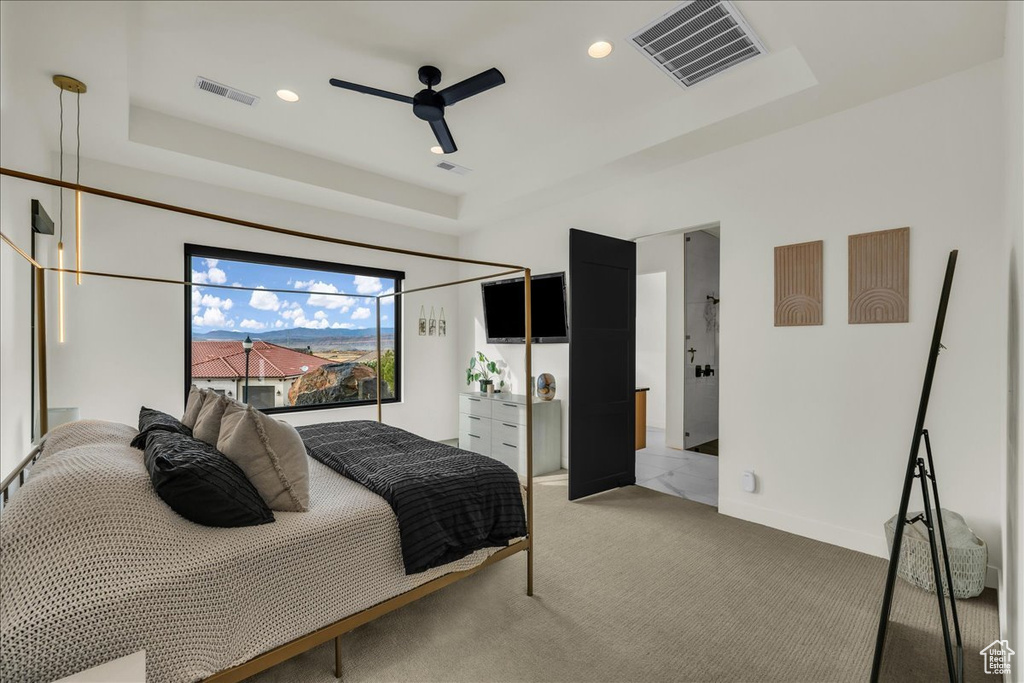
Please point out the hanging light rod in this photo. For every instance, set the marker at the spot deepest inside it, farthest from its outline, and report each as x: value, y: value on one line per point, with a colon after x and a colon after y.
x: 70, y: 84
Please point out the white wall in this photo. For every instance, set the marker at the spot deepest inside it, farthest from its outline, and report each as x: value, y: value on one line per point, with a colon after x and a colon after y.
x: 825, y: 414
x: 1010, y: 594
x: 651, y: 339
x: 135, y: 331
x: 664, y: 254
x: 21, y: 146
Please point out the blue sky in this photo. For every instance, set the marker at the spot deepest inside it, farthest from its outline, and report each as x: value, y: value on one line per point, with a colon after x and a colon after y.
x: 310, y: 306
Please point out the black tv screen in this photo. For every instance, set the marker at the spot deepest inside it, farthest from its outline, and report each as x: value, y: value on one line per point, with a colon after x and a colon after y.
x: 504, y: 314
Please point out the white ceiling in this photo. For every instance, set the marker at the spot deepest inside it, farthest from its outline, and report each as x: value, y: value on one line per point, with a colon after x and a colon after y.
x: 562, y: 125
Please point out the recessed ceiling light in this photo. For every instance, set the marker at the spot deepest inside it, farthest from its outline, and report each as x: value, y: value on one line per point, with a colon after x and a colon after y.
x: 436, y: 149
x: 600, y: 49
x: 287, y: 96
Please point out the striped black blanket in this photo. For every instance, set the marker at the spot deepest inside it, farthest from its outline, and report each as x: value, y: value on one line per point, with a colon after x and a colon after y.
x: 449, y: 502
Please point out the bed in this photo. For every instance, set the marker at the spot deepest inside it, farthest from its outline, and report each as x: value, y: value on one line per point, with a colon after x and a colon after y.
x: 67, y: 597
x: 95, y: 566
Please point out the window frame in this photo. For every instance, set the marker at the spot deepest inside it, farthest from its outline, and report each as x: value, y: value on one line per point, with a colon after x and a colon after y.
x: 201, y: 251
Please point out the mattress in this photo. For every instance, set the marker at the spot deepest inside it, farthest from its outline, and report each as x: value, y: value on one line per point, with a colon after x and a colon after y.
x: 94, y: 566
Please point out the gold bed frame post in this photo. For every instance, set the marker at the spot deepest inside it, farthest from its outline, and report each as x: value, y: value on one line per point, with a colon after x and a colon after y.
x: 380, y: 366
x: 529, y: 430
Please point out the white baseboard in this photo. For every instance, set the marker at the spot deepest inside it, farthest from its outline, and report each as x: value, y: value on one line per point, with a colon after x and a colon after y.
x: 821, y: 531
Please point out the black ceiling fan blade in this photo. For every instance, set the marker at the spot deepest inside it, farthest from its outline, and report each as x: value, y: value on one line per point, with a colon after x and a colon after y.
x: 474, y: 85
x: 443, y: 135
x: 367, y: 90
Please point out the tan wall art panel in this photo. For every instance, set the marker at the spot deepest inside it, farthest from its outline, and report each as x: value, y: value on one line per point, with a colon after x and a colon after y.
x: 880, y: 277
x: 798, y: 284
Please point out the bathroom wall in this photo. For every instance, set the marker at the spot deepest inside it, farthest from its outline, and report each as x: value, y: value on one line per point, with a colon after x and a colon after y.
x: 651, y: 343
x: 664, y: 254
x: 700, y: 394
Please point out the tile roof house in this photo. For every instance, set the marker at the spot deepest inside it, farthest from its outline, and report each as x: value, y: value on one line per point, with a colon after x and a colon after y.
x: 226, y: 360
x: 220, y: 366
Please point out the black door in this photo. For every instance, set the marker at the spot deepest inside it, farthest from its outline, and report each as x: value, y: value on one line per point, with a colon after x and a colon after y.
x: 602, y: 368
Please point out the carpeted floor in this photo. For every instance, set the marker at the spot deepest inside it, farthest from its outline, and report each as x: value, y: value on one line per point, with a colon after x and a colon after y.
x: 636, y: 585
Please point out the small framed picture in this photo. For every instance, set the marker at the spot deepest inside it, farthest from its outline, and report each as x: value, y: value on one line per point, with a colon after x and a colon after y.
x: 423, y: 322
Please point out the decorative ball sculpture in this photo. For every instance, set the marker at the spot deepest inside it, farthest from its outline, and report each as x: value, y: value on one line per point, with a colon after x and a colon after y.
x: 546, y: 386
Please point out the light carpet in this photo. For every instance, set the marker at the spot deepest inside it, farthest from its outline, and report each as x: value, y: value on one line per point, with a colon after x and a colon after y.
x: 636, y: 585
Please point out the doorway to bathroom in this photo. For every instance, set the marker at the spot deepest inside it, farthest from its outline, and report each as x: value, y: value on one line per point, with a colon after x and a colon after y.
x: 678, y: 304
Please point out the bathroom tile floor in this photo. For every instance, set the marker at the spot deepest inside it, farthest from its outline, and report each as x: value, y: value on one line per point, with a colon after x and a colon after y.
x: 686, y: 474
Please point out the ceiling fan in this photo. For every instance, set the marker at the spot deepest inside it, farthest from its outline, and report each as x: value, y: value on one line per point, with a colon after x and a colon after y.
x: 429, y: 104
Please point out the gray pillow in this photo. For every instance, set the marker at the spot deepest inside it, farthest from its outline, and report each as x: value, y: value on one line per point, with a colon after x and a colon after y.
x: 207, y: 427
x: 196, y: 396
x: 271, y: 454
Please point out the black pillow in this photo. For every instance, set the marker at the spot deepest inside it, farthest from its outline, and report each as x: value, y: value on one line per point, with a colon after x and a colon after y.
x: 201, y: 484
x: 151, y: 420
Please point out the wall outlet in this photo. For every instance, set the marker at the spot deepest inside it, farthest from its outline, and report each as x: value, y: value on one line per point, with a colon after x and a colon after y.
x: 749, y: 481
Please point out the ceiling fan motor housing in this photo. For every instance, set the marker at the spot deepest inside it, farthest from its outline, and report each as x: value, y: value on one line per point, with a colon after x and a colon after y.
x: 428, y: 105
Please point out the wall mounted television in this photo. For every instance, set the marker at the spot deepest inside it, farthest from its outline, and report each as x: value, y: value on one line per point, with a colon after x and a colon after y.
x: 504, y: 315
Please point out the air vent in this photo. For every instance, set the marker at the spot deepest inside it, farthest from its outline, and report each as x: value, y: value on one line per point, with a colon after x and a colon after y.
x: 226, y: 91
x: 453, y: 168
x: 697, y: 40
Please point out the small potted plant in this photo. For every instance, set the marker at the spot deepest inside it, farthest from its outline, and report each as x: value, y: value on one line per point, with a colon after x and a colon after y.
x: 485, y: 371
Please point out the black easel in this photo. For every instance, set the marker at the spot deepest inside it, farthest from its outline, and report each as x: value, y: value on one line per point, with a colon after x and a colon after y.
x: 918, y: 469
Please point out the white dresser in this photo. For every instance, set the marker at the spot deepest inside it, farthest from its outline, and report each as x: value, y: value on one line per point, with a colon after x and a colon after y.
x: 496, y: 426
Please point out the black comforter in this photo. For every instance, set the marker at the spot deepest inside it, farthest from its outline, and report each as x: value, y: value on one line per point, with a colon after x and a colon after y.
x: 449, y: 502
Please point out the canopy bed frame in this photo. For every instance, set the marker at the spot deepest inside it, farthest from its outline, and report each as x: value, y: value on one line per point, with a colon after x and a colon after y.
x: 337, y: 629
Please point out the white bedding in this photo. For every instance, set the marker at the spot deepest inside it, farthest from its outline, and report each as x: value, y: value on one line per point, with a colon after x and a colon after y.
x: 94, y: 566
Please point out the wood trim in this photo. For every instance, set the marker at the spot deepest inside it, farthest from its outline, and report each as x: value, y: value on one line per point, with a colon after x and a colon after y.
x: 309, y: 641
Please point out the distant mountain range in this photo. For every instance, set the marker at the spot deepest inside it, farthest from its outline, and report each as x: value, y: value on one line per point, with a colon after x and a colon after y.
x: 297, y: 334
x: 302, y: 337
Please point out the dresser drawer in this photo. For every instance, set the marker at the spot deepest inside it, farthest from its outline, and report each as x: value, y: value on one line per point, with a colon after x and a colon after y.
x: 474, y: 444
x: 508, y: 432
x: 476, y: 426
x: 472, y: 405
x: 506, y: 453
x: 507, y: 411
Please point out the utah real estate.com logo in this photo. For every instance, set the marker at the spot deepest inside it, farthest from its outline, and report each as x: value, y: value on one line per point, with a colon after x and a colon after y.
x: 997, y: 657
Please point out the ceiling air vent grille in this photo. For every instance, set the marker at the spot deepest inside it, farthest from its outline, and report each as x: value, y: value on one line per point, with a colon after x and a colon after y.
x: 697, y: 40
x: 226, y: 91
x: 453, y: 168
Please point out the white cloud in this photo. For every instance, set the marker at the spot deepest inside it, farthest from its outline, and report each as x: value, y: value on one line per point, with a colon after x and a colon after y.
x: 293, y: 313
x: 324, y: 300
x: 212, y: 317
x: 343, y: 326
x: 214, y: 275
x: 366, y: 284
x: 387, y: 301
x: 361, y: 313
x: 249, y: 324
x: 320, y: 315
x: 302, y: 284
x: 197, y: 301
x: 264, y: 301
x: 383, y: 318
x: 301, y: 321
x: 211, y: 263
x: 211, y: 301
x: 278, y: 323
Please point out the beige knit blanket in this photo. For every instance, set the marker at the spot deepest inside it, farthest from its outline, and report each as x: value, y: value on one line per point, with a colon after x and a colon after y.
x: 94, y: 566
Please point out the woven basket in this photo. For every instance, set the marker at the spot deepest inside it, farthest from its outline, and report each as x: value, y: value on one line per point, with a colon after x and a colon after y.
x: 968, y: 555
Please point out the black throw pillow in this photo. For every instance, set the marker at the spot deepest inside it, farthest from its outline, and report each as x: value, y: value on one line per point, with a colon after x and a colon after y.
x: 201, y: 484
x: 151, y: 420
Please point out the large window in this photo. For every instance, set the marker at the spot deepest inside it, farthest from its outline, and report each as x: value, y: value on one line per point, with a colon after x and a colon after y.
x: 313, y: 327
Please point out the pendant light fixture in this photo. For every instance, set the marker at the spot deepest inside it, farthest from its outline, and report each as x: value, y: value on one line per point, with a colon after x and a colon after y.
x: 67, y: 83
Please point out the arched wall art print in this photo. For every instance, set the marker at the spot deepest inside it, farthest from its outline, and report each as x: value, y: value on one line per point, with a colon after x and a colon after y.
x: 798, y: 284
x: 880, y: 277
